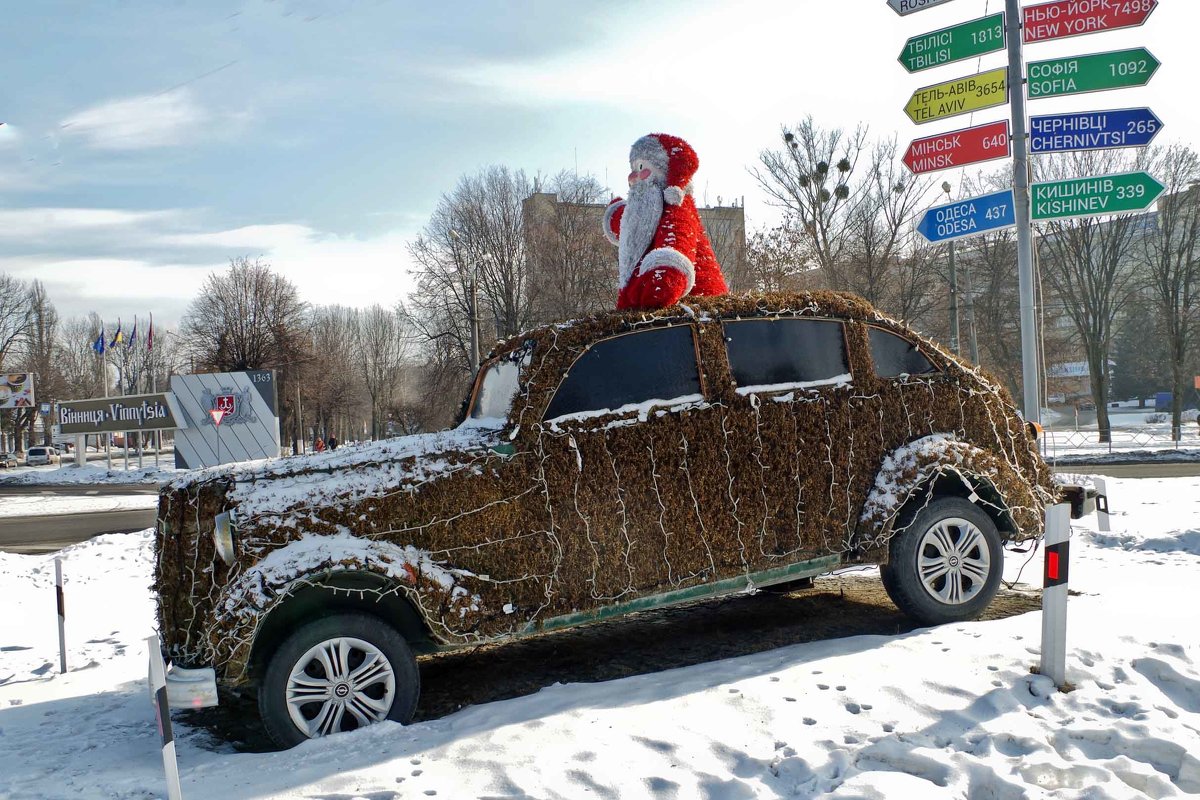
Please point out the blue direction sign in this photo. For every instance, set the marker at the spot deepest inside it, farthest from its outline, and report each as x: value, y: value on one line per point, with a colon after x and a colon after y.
x: 989, y: 212
x: 1093, y: 130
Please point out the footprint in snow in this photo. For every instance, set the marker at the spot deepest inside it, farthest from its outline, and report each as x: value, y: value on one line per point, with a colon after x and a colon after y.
x: 809, y: 721
x: 854, y: 708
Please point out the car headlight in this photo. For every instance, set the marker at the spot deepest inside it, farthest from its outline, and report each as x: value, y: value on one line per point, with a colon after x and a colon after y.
x: 223, y: 536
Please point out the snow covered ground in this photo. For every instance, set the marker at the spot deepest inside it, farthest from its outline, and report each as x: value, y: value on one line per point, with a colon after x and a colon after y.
x: 945, y: 712
x: 92, y: 473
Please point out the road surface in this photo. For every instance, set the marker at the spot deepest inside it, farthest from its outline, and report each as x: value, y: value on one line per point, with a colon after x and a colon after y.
x: 49, y: 532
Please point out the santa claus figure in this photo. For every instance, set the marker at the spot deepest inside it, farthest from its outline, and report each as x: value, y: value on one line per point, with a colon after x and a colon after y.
x: 662, y: 249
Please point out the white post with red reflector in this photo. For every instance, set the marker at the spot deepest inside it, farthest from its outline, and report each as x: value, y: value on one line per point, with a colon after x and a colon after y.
x: 162, y: 710
x: 1054, y: 594
x: 62, y: 616
x: 1102, y: 520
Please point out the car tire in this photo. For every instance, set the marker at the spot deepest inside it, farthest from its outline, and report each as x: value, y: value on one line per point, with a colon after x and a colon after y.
x: 946, y: 565
x: 357, y: 669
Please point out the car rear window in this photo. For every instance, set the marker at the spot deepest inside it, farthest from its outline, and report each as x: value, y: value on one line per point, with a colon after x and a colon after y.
x: 894, y: 355
x: 625, y: 371
x: 780, y: 354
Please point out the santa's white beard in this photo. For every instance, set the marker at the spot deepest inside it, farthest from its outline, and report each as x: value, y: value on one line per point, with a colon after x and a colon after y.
x: 643, y: 211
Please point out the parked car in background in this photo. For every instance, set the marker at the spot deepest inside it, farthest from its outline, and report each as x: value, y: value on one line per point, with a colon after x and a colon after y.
x: 9, y: 460
x: 612, y: 464
x: 40, y: 456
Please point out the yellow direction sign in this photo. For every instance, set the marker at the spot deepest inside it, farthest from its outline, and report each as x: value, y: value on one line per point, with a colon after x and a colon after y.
x: 961, y: 96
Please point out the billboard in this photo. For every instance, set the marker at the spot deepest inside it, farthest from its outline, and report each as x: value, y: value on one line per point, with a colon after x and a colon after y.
x: 135, y: 412
x: 249, y: 427
x: 16, y: 389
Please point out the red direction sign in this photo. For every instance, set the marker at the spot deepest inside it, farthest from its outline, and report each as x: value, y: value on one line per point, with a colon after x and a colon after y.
x: 217, y: 414
x: 1063, y: 18
x: 958, y: 148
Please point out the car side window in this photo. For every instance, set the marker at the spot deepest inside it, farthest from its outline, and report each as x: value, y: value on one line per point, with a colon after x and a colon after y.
x: 780, y: 354
x: 894, y: 355
x: 624, y: 371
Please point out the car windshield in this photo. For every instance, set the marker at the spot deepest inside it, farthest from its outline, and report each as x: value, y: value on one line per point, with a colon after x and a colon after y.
x: 497, y: 387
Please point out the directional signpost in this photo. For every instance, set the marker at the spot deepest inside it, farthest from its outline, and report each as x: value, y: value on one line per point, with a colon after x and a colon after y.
x: 959, y: 96
x: 906, y: 7
x: 971, y: 217
x: 1093, y: 130
x: 1063, y: 18
x: 958, y: 148
x: 970, y: 39
x: 1097, y: 72
x: 1089, y: 197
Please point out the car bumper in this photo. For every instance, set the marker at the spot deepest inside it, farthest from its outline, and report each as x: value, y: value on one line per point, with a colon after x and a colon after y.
x: 191, y: 688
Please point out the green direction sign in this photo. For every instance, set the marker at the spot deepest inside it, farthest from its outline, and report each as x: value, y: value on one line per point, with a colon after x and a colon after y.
x: 970, y: 39
x: 1097, y: 72
x: 1090, y: 197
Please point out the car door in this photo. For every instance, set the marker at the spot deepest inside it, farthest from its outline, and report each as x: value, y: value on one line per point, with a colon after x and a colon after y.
x: 621, y: 445
x: 793, y: 389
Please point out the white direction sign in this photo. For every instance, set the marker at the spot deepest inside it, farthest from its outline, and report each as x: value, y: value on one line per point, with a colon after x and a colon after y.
x: 905, y: 7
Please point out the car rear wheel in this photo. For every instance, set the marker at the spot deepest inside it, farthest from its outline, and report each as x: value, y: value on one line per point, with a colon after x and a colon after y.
x: 335, y: 674
x: 945, y: 566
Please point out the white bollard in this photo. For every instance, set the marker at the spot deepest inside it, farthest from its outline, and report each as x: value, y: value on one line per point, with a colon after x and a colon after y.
x: 162, y: 710
x: 1054, y: 594
x: 62, y: 616
x: 1102, y: 519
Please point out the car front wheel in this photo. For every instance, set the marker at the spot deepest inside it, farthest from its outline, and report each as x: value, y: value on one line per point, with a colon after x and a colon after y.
x: 945, y: 566
x: 335, y: 674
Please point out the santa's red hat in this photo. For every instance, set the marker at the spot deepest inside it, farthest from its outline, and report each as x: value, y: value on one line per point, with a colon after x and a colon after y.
x: 673, y: 157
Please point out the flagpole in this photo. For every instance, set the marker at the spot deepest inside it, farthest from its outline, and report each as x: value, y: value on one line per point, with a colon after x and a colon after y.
x: 104, y: 380
x: 153, y: 386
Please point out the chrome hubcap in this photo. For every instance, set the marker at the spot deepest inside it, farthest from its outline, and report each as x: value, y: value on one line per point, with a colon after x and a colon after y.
x: 339, y: 685
x: 953, y: 561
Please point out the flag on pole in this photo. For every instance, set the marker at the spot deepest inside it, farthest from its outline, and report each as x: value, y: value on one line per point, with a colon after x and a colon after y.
x: 118, y: 337
x: 132, y: 336
x: 98, y: 345
x: 150, y: 334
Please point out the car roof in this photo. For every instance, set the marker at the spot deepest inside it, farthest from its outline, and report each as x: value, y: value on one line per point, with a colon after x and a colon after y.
x: 578, y: 333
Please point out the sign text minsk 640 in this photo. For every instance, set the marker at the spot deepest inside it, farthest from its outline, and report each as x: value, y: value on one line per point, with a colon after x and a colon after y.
x: 958, y: 148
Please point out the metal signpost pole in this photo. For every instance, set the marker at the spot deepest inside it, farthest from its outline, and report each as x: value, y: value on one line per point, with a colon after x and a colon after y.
x: 1025, y: 281
x: 62, y: 616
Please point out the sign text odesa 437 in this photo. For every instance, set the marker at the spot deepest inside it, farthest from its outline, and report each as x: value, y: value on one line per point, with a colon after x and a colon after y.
x: 970, y: 217
x: 958, y: 148
x: 1063, y: 18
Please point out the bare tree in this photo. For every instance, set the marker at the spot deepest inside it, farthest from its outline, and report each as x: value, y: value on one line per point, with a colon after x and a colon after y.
x: 571, y: 270
x: 333, y: 393
x: 380, y: 348
x: 1089, y: 265
x: 78, y: 362
x: 247, y: 317
x: 774, y: 262
x: 475, y: 235
x: 16, y: 315
x: 811, y: 178
x: 1171, y: 248
x: 40, y: 356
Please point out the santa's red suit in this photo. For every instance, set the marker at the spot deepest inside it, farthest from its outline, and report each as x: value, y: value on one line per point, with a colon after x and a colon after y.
x: 663, y: 252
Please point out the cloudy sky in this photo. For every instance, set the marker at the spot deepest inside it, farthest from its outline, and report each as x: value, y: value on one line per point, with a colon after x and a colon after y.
x: 146, y: 143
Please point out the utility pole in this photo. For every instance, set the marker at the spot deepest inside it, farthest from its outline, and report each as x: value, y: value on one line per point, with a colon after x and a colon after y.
x: 955, y: 346
x: 1025, y: 279
x: 969, y: 311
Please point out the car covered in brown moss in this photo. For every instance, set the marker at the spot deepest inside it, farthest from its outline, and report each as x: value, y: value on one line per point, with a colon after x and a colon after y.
x: 622, y: 462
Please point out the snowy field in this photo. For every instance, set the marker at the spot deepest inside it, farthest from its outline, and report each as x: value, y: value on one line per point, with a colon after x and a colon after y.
x: 948, y: 712
x: 94, y: 472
